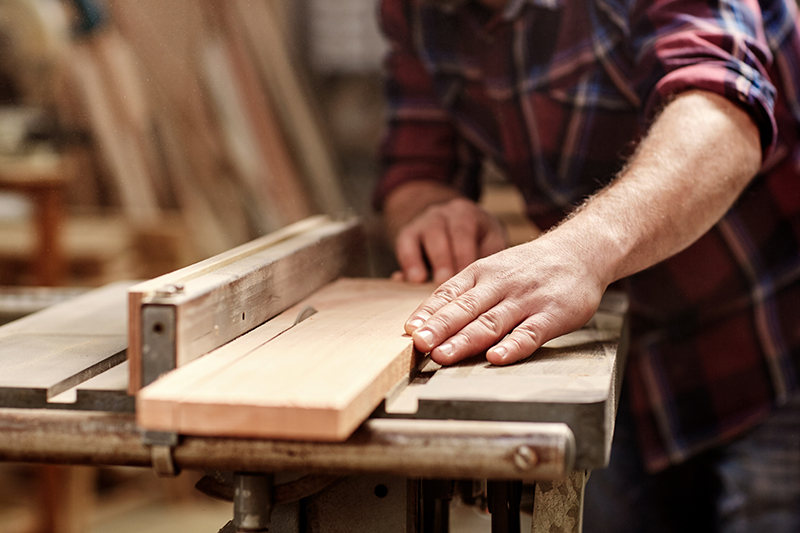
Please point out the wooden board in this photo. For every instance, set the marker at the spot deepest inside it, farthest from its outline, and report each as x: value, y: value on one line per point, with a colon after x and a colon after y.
x: 261, y: 28
x: 117, y: 143
x: 317, y: 380
x: 49, y: 352
x: 282, y: 181
x: 225, y: 296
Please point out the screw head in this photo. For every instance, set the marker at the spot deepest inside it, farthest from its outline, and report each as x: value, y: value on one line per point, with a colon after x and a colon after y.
x: 525, y: 458
x: 169, y: 290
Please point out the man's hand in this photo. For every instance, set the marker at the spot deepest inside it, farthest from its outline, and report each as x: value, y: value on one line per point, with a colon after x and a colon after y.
x: 695, y: 161
x: 537, y: 291
x: 447, y: 230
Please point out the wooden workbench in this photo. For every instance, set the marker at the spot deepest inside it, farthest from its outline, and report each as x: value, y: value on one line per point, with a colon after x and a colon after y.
x: 502, y: 425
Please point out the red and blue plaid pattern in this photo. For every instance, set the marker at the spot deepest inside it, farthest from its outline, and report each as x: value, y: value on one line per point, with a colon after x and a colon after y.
x: 556, y: 93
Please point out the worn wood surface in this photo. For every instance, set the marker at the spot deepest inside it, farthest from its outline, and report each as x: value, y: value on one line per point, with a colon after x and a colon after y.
x: 317, y: 380
x: 558, y: 505
x: 573, y: 379
x: 62, y: 346
x: 232, y: 293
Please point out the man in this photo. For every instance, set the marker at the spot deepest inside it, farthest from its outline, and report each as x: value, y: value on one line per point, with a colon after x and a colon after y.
x: 657, y: 142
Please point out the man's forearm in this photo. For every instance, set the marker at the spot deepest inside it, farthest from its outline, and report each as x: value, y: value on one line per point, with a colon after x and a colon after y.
x: 697, y: 158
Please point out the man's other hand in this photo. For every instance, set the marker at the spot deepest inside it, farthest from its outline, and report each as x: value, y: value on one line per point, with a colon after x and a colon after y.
x: 435, y: 228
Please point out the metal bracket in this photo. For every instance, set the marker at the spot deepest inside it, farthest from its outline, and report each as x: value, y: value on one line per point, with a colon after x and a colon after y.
x: 163, y: 465
x: 158, y: 341
x: 162, y: 445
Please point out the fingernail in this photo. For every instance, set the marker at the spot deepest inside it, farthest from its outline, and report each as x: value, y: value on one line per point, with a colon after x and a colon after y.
x: 415, y: 323
x: 500, y: 351
x: 416, y: 274
x: 425, y: 335
x: 446, y: 348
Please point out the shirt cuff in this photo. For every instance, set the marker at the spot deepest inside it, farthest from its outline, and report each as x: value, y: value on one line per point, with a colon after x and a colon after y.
x: 743, y: 86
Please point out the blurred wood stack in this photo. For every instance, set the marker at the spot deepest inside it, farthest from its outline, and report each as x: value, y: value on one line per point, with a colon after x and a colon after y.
x: 191, y: 121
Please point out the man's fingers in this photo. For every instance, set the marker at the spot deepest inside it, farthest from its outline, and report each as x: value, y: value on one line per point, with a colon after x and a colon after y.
x: 439, y: 251
x: 450, y: 236
x: 520, y: 343
x: 452, y: 317
x: 444, y: 294
x: 465, y: 250
x: 409, y: 254
x: 478, y: 335
x: 463, y: 233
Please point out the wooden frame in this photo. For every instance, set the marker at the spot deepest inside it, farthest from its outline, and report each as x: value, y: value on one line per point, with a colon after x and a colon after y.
x: 205, y: 305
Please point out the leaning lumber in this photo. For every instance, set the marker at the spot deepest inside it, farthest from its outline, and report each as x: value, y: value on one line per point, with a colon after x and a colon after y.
x: 180, y: 316
x: 260, y: 27
x: 314, y: 380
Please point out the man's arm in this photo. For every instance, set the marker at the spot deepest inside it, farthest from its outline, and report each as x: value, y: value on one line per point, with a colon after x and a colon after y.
x: 695, y: 161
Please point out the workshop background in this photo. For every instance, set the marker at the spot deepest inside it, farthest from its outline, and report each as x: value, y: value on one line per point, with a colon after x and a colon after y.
x: 139, y: 136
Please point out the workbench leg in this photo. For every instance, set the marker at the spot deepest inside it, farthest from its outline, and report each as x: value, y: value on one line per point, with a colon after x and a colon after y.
x: 67, y: 498
x: 435, y: 505
x: 252, y: 501
x: 504, y: 500
x: 558, y: 505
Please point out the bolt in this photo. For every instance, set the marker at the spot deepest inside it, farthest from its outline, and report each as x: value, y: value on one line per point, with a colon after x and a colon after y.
x: 525, y: 458
x: 169, y: 290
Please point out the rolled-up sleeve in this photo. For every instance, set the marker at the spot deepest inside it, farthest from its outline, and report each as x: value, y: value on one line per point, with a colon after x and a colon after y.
x: 713, y: 45
x: 419, y: 142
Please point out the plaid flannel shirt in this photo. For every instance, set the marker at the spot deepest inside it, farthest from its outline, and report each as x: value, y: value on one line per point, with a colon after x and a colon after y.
x: 557, y: 92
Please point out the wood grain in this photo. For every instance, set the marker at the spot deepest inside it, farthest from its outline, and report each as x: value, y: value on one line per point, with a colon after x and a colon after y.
x: 573, y: 379
x: 64, y: 345
x: 317, y: 380
x: 232, y: 293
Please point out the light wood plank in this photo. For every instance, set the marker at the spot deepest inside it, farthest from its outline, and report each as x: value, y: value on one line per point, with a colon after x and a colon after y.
x: 117, y: 143
x: 317, y: 380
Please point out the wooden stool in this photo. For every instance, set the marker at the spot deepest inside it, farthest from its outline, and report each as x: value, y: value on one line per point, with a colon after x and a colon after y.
x: 41, y: 176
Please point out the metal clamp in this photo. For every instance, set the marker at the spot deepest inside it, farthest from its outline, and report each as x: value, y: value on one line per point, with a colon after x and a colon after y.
x: 162, y: 445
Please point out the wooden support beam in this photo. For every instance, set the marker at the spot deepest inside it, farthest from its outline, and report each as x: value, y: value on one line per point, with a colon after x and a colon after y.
x: 201, y: 307
x: 316, y: 380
